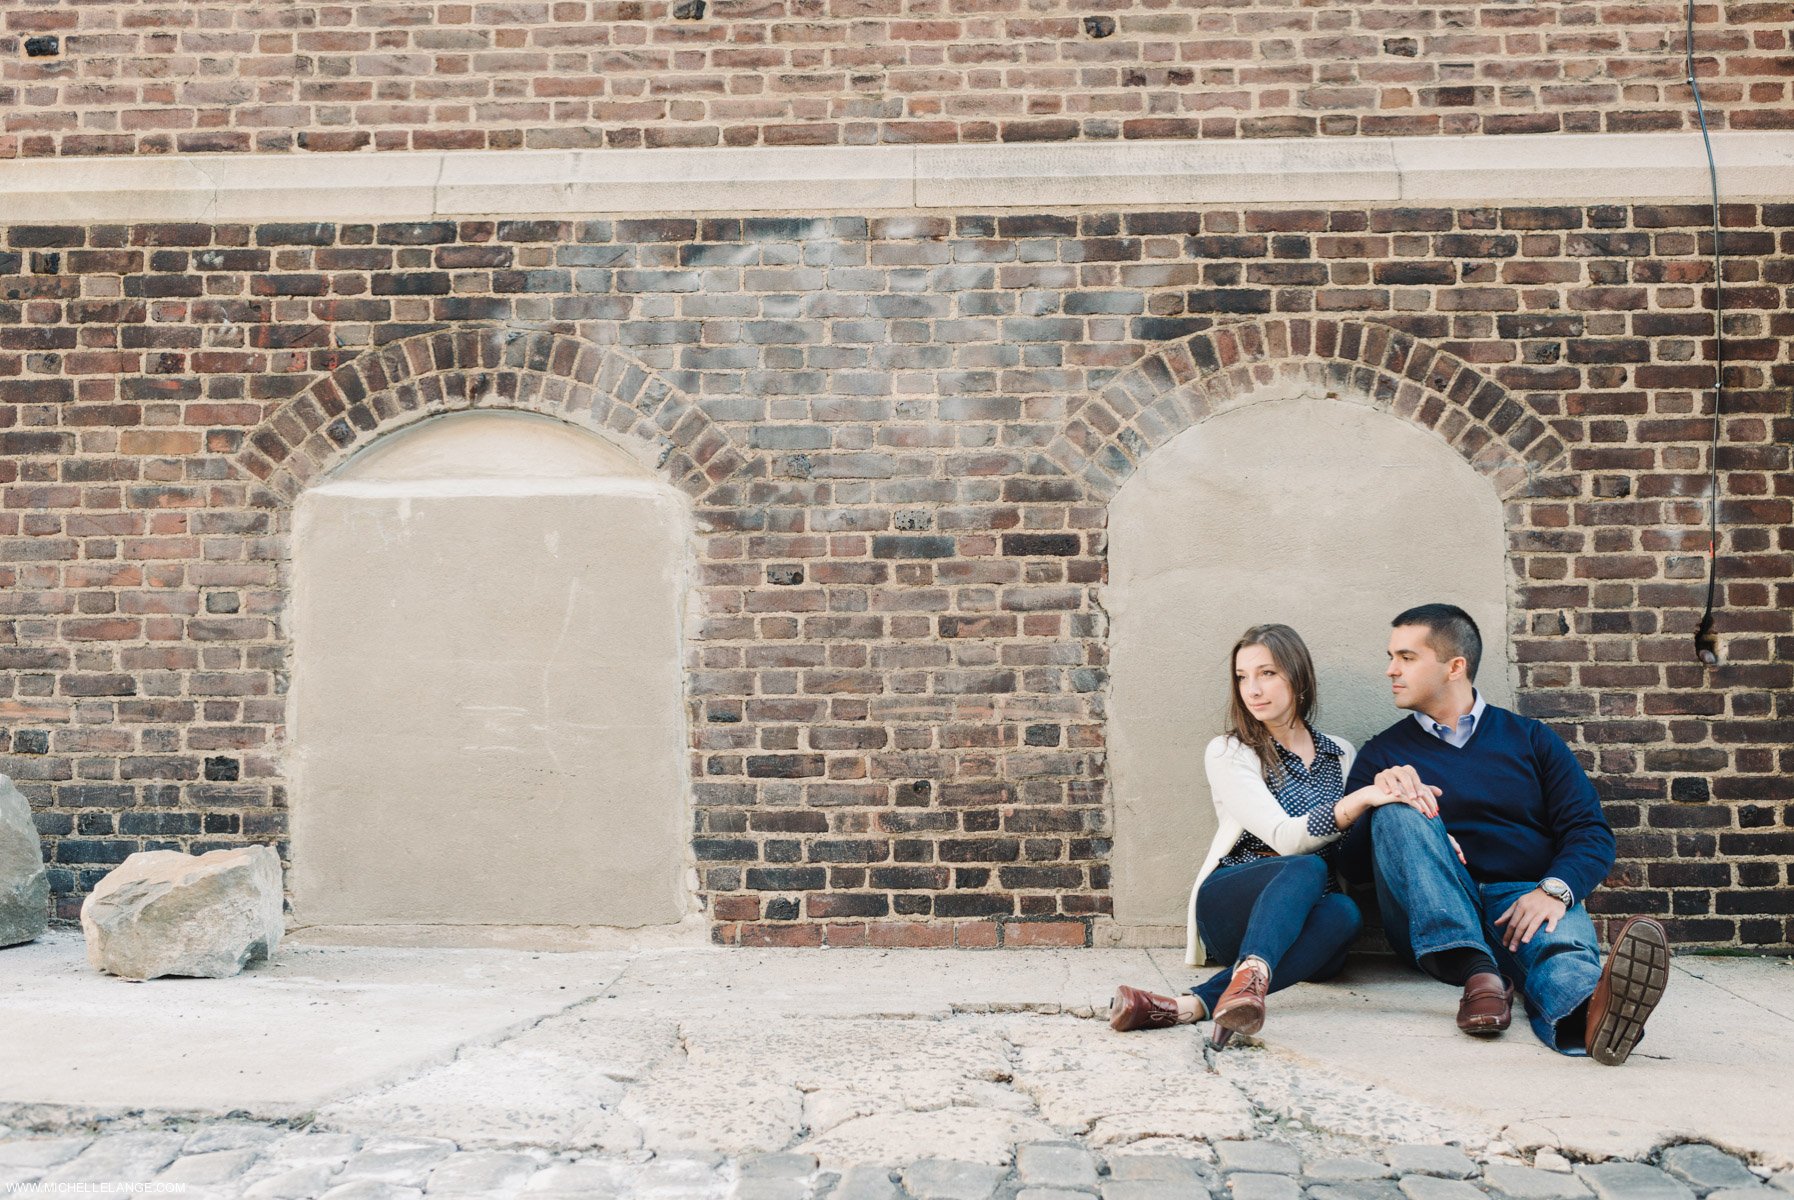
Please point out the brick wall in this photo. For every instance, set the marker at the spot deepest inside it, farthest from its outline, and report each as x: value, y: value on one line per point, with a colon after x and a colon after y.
x: 899, y: 435
x: 229, y: 76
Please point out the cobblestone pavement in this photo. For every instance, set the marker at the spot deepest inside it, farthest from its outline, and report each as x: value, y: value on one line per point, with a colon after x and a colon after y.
x: 238, y: 1159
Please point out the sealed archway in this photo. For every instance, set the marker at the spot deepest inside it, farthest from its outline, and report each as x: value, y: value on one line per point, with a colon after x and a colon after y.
x: 486, y: 719
x: 1329, y: 515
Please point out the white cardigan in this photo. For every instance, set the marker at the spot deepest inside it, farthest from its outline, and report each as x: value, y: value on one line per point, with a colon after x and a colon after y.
x: 1236, y: 784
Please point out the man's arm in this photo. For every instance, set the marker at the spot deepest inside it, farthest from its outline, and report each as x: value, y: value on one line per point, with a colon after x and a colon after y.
x: 1583, y: 840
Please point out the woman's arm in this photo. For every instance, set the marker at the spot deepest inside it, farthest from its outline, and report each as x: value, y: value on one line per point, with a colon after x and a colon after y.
x: 1236, y: 780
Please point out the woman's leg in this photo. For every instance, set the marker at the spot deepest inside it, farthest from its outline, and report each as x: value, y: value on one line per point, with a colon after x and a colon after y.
x: 1319, y: 951
x: 1266, y: 908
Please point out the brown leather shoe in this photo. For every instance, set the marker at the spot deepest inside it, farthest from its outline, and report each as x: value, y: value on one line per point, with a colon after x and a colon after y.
x: 1632, y: 981
x: 1241, y: 1008
x: 1487, y: 1005
x: 1130, y: 1009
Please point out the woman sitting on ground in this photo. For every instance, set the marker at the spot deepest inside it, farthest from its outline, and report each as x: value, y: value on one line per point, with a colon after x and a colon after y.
x: 1265, y: 899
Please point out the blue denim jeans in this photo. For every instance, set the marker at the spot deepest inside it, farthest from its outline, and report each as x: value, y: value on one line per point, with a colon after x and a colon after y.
x: 1430, y: 904
x: 1275, y: 908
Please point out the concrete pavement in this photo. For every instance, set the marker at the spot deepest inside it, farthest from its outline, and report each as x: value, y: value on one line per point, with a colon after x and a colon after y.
x: 693, y: 1063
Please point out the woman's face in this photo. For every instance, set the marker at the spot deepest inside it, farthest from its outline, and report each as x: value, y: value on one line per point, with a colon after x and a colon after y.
x: 1264, y: 689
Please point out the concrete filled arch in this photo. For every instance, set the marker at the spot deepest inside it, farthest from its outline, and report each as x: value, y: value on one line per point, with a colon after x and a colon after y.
x: 1328, y: 514
x: 486, y: 719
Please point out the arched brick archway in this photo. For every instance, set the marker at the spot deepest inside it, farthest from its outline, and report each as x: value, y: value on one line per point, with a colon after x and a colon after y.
x: 541, y: 371
x: 1322, y: 473
x: 1108, y: 435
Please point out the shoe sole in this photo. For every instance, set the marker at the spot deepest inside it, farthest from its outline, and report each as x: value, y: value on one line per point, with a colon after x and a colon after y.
x: 1241, y: 1018
x: 1638, y: 973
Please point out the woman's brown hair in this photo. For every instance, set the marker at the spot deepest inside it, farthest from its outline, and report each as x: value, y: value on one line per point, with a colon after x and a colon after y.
x: 1290, y: 654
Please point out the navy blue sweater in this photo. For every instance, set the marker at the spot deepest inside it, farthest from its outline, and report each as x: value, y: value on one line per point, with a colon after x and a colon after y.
x: 1515, y: 798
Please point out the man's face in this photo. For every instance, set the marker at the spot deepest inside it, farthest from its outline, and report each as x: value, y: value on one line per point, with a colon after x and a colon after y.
x: 1417, y: 677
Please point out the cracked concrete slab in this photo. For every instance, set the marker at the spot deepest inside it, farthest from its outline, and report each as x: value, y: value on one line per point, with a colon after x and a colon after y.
x: 861, y: 1056
x: 279, y: 1039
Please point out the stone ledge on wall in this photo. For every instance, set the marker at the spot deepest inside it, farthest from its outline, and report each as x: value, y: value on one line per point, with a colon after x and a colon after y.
x: 1558, y: 168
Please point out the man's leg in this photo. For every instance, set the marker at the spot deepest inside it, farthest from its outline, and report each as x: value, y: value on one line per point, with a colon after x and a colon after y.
x: 1429, y: 902
x: 1556, y: 971
x: 1559, y: 971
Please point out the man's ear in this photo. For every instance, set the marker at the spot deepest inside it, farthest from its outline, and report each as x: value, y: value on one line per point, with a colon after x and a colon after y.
x: 1457, y: 668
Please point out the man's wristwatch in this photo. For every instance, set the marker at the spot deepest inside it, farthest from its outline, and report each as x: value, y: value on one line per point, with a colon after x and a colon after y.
x: 1558, y: 890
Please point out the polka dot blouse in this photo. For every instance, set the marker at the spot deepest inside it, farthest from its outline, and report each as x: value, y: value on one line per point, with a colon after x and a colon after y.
x: 1302, y: 790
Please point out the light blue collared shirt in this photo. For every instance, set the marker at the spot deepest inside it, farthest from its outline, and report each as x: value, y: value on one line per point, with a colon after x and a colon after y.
x: 1465, y: 727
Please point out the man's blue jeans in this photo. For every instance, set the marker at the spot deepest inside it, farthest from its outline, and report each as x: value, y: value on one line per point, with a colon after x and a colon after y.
x: 1430, y: 904
x: 1279, y: 909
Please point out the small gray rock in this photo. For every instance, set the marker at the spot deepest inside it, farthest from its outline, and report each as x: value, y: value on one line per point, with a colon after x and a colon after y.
x: 946, y: 1179
x: 161, y: 912
x: 1705, y: 1167
x: 1055, y: 1165
x: 1783, y: 1182
x: 1750, y: 1193
x: 1262, y: 1158
x: 1037, y: 1193
x: 24, y: 882
x: 1432, y: 1187
x: 1443, y: 1161
x: 1526, y: 1183
x: 208, y: 1169
x: 1249, y: 1185
x: 1632, y: 1181
x: 865, y: 1183
x: 1343, y: 1170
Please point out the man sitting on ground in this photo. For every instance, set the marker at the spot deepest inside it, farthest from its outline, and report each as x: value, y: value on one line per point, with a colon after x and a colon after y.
x: 1534, y: 843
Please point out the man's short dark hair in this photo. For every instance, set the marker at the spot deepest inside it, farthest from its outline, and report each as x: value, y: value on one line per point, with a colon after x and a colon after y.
x: 1450, y: 632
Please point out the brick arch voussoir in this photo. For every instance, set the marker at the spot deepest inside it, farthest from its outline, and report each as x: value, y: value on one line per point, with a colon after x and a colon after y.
x: 544, y: 371
x: 1107, y: 435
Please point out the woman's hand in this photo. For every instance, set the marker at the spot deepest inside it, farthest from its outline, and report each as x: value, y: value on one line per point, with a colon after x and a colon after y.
x: 1355, y: 804
x: 1405, y: 782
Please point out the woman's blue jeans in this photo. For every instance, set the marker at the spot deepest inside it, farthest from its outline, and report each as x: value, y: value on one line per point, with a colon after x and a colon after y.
x: 1430, y: 903
x: 1278, y: 909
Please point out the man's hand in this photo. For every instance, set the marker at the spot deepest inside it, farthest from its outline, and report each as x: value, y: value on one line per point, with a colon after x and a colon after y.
x: 1404, y: 784
x: 1524, y: 916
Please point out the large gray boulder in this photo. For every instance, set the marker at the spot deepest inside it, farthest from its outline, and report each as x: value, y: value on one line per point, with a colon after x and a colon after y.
x: 24, y: 884
x: 161, y: 912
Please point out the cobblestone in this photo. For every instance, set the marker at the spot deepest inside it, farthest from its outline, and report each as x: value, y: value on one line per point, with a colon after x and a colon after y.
x: 1705, y: 1168
x: 1050, y: 1166
x: 1269, y: 1158
x: 1432, y: 1187
x: 1442, y: 1161
x: 238, y: 1159
x: 1632, y: 1181
x: 1527, y: 1183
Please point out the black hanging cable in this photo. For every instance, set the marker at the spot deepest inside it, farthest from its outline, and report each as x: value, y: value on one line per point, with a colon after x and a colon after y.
x: 1706, y: 641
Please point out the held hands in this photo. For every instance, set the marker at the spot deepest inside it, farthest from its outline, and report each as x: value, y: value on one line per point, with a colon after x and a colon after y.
x: 1424, y: 799
x: 1524, y: 916
x: 1403, y: 783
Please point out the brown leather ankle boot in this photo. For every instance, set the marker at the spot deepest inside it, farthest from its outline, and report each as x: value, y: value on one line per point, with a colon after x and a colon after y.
x: 1241, y: 1008
x: 1130, y: 1009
